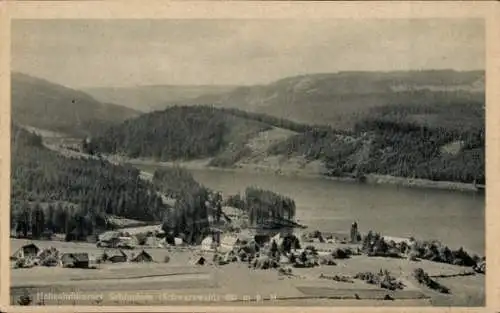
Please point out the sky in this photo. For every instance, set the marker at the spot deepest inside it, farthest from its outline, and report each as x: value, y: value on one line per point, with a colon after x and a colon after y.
x: 105, y: 53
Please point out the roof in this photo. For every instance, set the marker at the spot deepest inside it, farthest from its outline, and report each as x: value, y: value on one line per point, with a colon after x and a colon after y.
x: 78, y: 257
x: 143, y: 252
x: 48, y: 251
x: 114, y: 252
x: 229, y: 240
x: 245, y: 235
x: 153, y: 241
x: 216, y: 230
x: 30, y: 245
x: 207, y: 240
x: 81, y: 257
x: 232, y: 211
x: 109, y: 235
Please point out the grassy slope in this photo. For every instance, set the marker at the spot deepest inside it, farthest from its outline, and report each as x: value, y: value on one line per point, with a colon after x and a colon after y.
x: 42, y: 104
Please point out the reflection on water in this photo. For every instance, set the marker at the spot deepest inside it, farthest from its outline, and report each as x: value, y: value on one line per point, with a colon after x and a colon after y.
x: 454, y: 218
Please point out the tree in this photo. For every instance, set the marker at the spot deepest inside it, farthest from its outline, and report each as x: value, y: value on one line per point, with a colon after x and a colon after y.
x: 62, y: 219
x: 274, y: 248
x: 50, y: 217
x: 38, y: 223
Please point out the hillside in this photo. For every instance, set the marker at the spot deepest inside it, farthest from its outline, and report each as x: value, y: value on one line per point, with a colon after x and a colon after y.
x: 394, y: 147
x: 184, y: 133
x: 341, y: 99
x: 152, y: 98
x: 73, y: 193
x: 45, y: 105
x: 444, y: 142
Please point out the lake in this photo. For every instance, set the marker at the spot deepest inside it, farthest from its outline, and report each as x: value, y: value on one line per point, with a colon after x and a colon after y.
x: 455, y: 218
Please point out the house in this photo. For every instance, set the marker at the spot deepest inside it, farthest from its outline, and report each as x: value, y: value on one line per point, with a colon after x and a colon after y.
x: 231, y: 241
x: 108, y: 239
x: 45, y: 253
x: 115, y: 256
x: 142, y: 256
x: 154, y: 242
x: 124, y: 245
x: 228, y: 242
x: 198, y: 261
x: 46, y: 235
x: 67, y: 260
x: 78, y: 260
x: 245, y: 237
x: 113, y: 239
x: 27, y: 251
x: 208, y: 244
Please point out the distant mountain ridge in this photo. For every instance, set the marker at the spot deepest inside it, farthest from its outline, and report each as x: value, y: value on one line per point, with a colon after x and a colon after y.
x: 324, y: 98
x: 148, y: 98
x: 333, y: 98
x: 39, y: 103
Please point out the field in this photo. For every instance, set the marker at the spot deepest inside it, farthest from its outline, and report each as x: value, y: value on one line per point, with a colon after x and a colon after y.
x: 181, y: 282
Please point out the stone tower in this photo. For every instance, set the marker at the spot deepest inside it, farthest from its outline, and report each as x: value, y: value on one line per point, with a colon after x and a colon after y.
x: 354, y: 232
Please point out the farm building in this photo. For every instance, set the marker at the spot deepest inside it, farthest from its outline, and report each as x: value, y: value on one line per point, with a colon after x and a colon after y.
x: 113, y: 239
x: 153, y: 241
x: 115, y: 256
x: 228, y: 242
x: 142, y: 256
x: 208, y: 244
x: 126, y: 243
x: 48, y: 256
x: 231, y: 241
x: 78, y: 260
x: 178, y: 241
x: 200, y: 260
x: 232, y: 212
x: 108, y: 239
x: 67, y: 260
x: 27, y: 251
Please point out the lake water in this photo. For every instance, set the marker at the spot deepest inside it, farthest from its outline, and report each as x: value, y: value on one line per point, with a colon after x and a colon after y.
x: 454, y: 218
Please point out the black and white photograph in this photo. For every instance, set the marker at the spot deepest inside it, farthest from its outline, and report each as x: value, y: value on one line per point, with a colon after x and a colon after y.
x: 248, y: 162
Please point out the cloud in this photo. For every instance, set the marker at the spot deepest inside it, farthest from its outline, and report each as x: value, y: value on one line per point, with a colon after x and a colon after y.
x: 129, y: 52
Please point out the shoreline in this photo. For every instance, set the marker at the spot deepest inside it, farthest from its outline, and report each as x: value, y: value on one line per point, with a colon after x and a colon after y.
x: 372, y: 179
x: 303, y: 171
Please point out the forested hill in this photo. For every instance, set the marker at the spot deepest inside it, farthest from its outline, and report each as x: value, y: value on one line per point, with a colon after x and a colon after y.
x: 440, y: 143
x: 341, y: 99
x: 50, y: 191
x: 178, y: 133
x: 45, y: 105
x: 436, y: 142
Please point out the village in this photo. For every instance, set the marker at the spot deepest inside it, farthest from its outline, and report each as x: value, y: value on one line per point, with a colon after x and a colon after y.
x: 314, y: 265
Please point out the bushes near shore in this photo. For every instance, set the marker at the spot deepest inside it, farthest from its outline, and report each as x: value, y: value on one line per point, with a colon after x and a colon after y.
x: 263, y: 204
x: 374, y: 244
